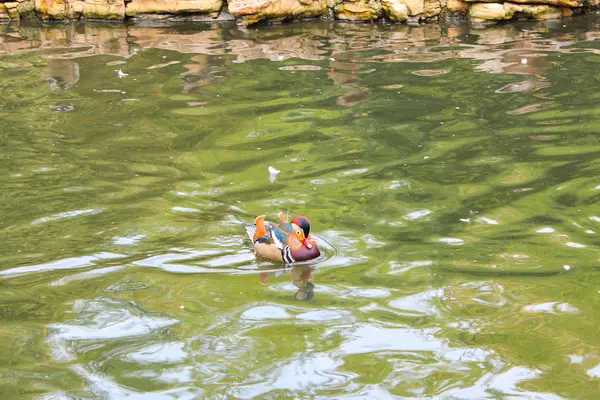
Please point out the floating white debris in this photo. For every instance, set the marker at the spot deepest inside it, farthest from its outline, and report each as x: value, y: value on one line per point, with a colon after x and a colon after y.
x: 566, y: 267
x: 545, y: 230
x: 120, y: 73
x: 523, y: 61
x: 273, y: 173
x: 467, y: 220
x: 575, y: 245
x: 594, y: 218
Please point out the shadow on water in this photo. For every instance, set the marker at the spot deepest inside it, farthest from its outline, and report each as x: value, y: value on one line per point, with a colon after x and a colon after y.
x: 450, y: 173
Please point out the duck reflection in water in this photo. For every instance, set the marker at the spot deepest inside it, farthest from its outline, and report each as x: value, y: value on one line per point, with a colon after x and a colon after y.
x: 301, y: 278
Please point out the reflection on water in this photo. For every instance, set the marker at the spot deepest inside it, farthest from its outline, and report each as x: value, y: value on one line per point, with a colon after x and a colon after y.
x: 450, y: 173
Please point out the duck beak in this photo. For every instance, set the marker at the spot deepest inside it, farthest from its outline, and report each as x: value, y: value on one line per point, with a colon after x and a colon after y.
x: 307, y: 243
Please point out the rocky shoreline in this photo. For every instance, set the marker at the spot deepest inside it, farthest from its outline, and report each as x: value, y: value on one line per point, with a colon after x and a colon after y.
x: 248, y: 12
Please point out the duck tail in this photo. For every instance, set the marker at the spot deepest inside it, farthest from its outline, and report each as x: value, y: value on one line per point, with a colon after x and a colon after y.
x: 251, y: 231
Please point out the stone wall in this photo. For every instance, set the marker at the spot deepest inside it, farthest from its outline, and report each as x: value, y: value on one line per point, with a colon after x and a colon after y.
x: 248, y: 12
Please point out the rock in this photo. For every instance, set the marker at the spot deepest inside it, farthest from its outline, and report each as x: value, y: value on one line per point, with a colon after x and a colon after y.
x: 543, y: 11
x: 480, y: 12
x: 54, y: 10
x: 104, y: 9
x: 457, y: 6
x: 18, y: 9
x: 563, y: 3
x: 3, y: 12
x: 361, y: 10
x: 531, y: 11
x: 12, y: 9
x: 432, y: 8
x: 485, y: 12
x: 252, y: 11
x: 151, y: 8
x: 415, y: 7
x: 395, y: 10
x: 75, y: 9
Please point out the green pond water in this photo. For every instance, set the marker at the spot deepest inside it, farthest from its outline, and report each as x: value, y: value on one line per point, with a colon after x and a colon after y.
x: 452, y: 176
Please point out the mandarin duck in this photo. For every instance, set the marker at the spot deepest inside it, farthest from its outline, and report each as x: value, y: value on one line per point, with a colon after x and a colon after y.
x: 287, y: 242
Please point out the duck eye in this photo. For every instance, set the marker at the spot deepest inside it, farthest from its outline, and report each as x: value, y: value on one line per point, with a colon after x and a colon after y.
x: 298, y: 233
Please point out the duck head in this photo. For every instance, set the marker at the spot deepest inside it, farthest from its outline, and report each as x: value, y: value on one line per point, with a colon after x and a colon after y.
x: 301, y: 226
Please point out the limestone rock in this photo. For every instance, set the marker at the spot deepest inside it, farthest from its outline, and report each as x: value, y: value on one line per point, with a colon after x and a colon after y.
x: 12, y: 8
x: 480, y: 12
x: 63, y: 10
x: 457, y: 6
x: 432, y: 8
x: 361, y: 10
x: 395, y: 10
x: 19, y: 9
x: 531, y: 11
x: 141, y: 8
x: 104, y: 9
x: 415, y: 7
x: 423, y: 8
x: 75, y: 9
x: 562, y: 3
x: 543, y: 11
x: 483, y: 12
x: 3, y: 12
x: 253, y: 11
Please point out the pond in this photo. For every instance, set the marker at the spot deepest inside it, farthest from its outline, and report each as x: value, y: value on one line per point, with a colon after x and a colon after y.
x: 451, y: 174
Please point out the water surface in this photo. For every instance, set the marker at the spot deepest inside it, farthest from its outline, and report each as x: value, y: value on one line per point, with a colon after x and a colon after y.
x: 451, y: 174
